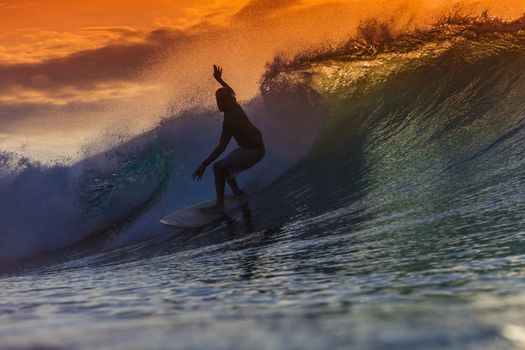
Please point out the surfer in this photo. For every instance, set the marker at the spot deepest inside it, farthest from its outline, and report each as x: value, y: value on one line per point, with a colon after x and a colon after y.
x: 249, y: 139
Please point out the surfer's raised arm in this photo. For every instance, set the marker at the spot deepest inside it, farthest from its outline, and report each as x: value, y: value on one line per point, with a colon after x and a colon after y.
x: 217, y: 74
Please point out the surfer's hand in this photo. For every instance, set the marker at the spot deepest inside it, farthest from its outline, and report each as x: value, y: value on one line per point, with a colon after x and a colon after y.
x: 217, y: 73
x: 197, y: 175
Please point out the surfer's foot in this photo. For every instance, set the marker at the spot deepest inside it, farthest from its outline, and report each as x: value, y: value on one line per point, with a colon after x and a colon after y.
x: 238, y: 195
x: 215, y: 210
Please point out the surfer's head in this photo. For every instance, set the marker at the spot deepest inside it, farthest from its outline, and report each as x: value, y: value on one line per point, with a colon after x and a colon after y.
x: 225, y: 99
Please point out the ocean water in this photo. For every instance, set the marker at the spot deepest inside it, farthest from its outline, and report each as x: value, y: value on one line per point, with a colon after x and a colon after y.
x: 389, y: 213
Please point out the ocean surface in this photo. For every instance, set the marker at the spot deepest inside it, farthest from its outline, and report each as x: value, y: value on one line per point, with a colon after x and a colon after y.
x: 389, y: 213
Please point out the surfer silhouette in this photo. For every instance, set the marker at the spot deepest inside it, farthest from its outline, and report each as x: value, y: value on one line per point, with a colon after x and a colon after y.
x: 249, y: 139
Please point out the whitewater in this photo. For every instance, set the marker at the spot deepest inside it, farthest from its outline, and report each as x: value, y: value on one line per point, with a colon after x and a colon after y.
x: 389, y: 213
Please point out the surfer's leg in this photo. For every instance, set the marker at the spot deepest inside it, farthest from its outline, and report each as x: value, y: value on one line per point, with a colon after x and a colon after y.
x: 232, y: 182
x: 239, y: 160
x: 220, y: 181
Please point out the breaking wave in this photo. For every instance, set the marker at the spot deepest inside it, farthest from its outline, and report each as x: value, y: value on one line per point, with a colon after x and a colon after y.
x: 426, y: 124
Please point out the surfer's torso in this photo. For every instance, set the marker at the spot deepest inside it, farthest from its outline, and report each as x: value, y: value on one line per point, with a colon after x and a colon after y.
x: 237, y: 125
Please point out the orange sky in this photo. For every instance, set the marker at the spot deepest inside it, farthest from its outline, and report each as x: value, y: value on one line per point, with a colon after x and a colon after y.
x: 82, y: 65
x: 33, y: 30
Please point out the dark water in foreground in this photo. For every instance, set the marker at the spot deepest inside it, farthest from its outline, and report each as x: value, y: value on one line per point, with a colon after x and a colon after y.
x: 337, y: 280
x: 402, y: 227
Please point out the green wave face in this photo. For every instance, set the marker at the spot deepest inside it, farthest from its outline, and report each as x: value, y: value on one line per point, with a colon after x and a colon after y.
x: 430, y: 130
x: 135, y: 179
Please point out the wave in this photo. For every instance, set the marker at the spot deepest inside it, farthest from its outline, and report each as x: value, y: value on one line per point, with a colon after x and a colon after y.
x: 124, y: 191
x: 428, y: 132
x: 404, y: 122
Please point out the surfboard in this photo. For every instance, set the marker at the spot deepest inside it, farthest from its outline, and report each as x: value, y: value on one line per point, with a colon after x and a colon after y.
x: 194, y: 217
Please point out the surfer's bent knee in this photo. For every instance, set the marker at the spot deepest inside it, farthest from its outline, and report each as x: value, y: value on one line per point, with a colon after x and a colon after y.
x: 218, y: 167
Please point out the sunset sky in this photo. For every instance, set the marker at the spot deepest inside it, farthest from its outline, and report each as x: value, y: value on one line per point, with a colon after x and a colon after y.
x: 33, y: 30
x: 71, y: 66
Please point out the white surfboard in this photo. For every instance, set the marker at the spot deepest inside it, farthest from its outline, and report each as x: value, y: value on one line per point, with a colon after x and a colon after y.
x: 194, y: 217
